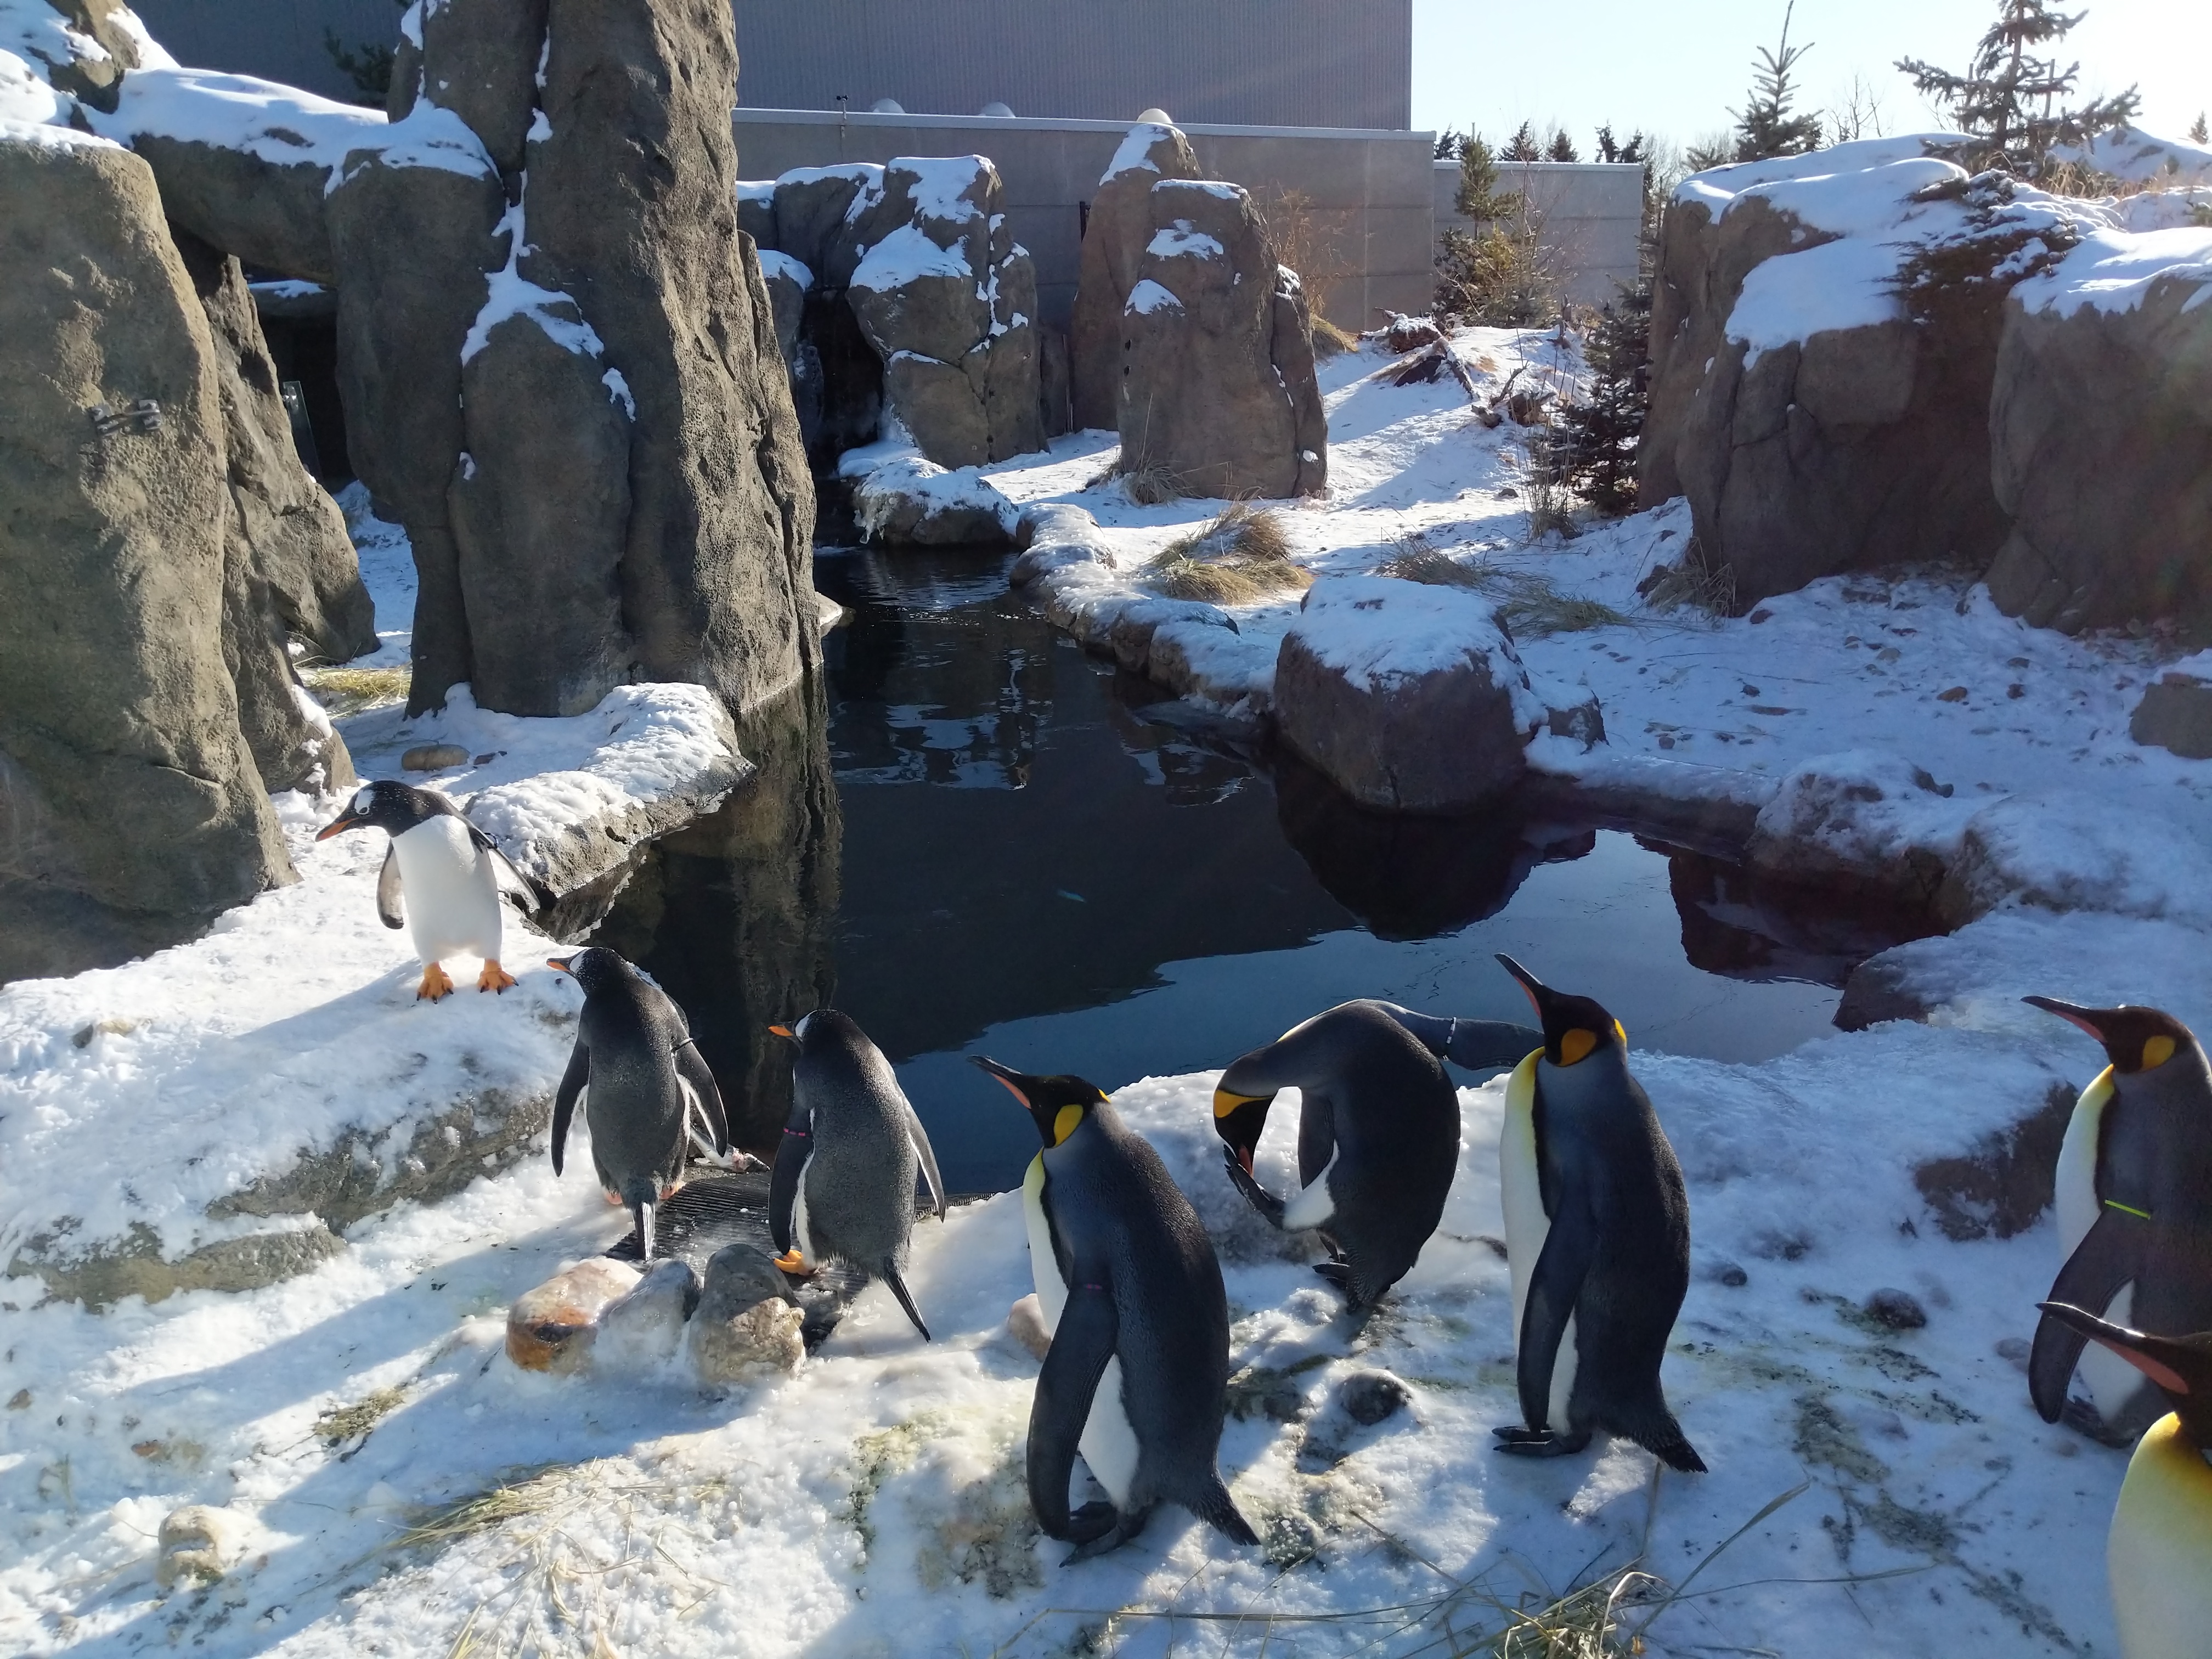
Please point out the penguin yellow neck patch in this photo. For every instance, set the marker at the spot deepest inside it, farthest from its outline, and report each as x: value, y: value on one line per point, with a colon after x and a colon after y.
x: 1226, y: 1103
x: 1065, y: 1124
x: 1576, y: 1045
x: 2157, y: 1051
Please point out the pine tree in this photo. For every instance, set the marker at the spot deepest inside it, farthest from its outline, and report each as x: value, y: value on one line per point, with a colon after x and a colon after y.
x: 1610, y: 149
x: 2011, y: 100
x: 2198, y: 133
x: 1562, y: 148
x: 1524, y: 145
x: 1448, y: 144
x: 1597, y: 437
x: 1478, y: 198
x: 1764, y: 127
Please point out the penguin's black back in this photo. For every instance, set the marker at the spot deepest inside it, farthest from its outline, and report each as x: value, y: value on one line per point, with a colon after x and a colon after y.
x: 2162, y: 1119
x: 636, y: 1106
x: 861, y: 1163
x: 1108, y: 1198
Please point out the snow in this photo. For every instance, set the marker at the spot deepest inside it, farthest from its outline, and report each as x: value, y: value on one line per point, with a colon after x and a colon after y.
x: 287, y: 288
x: 2113, y: 272
x: 431, y: 136
x: 1792, y: 297
x: 775, y: 264
x: 26, y: 99
x: 1149, y: 296
x: 509, y: 294
x: 907, y: 477
x: 281, y: 125
x: 936, y: 182
x: 1719, y: 186
x: 2134, y: 157
x: 1381, y: 632
x: 904, y: 255
x: 1132, y: 153
x: 1179, y: 241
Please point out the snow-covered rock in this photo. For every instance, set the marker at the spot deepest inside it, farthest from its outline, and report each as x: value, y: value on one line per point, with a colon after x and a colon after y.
x: 1866, y: 820
x: 910, y: 498
x: 1114, y: 241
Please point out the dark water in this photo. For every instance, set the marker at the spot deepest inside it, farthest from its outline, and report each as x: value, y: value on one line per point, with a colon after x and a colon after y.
x: 992, y: 842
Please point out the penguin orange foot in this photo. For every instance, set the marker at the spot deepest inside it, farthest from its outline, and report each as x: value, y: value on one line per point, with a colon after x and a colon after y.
x: 792, y: 1262
x: 435, y: 984
x: 494, y: 977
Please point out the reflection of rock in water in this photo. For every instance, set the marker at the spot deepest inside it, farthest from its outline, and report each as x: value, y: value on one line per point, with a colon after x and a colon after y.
x: 1195, y: 760
x: 1408, y: 877
x: 733, y: 914
x: 1730, y: 927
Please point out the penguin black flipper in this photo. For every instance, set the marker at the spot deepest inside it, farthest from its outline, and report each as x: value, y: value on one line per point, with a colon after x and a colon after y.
x: 1081, y: 1345
x: 783, y: 1184
x: 926, y: 1156
x: 1479, y: 1045
x: 887, y: 1270
x: 1269, y: 1206
x: 390, y: 903
x: 572, y: 1082
x: 1553, y: 1289
x: 691, y: 1066
x: 504, y: 875
x: 2109, y: 1256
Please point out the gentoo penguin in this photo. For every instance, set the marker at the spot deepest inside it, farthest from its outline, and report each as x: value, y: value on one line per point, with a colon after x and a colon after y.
x: 2133, y: 1196
x: 447, y: 871
x: 645, y: 1090
x: 1597, y: 1235
x: 843, y: 1186
x: 1137, y: 1375
x: 1378, y: 1139
x: 2158, y: 1556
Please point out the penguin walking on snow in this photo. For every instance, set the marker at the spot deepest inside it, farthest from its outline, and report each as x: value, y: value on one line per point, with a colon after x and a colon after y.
x: 442, y: 879
x: 844, y: 1185
x: 644, y: 1088
x: 1378, y: 1139
x: 2158, y: 1555
x: 1138, y: 1372
x: 2133, y: 1196
x: 1597, y: 1235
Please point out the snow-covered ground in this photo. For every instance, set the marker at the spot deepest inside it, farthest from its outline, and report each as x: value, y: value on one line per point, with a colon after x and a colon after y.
x: 872, y: 1504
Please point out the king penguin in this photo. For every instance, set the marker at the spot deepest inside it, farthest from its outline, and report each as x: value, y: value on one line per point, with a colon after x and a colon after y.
x: 1378, y: 1139
x: 844, y: 1185
x: 1597, y: 1236
x: 1137, y: 1376
x: 442, y: 879
x: 2134, y: 1197
x: 2158, y: 1555
x: 644, y: 1088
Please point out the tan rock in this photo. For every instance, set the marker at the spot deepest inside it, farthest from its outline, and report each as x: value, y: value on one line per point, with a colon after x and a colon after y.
x: 552, y: 1328
x: 1025, y: 1324
x: 199, y: 1543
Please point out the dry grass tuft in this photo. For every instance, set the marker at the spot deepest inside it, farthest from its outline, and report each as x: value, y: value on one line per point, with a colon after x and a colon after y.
x: 1241, y: 557
x: 1150, y: 484
x: 343, y: 1423
x: 1330, y: 341
x: 1530, y: 605
x: 1695, y: 583
x: 345, y: 691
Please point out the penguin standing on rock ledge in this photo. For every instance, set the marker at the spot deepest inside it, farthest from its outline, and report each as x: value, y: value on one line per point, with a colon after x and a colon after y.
x: 442, y: 878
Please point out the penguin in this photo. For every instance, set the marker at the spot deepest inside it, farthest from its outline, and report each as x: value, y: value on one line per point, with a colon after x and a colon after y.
x: 442, y: 877
x: 1137, y: 1376
x: 2158, y: 1555
x: 2134, y: 1197
x: 644, y: 1088
x: 1597, y: 1235
x: 842, y: 1187
x: 1378, y: 1141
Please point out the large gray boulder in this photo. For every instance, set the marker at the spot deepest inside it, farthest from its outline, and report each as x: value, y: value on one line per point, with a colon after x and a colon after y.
x: 1218, y: 385
x: 1408, y: 697
x: 126, y: 786
x: 2101, y: 433
x: 481, y: 58
x: 1114, y: 233
x: 632, y: 213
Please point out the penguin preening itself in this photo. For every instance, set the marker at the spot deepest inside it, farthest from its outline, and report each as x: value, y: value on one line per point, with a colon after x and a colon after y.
x: 1597, y: 1235
x: 843, y: 1186
x: 644, y: 1088
x: 441, y: 879
x: 2134, y: 1197
x: 1378, y: 1139
x: 2158, y: 1556
x: 1137, y: 1376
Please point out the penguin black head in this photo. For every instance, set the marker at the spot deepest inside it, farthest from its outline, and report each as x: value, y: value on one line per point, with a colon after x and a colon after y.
x: 2180, y: 1365
x: 594, y: 967
x: 2136, y: 1039
x: 1057, y: 1105
x: 823, y: 1029
x: 1239, y: 1120
x: 394, y: 808
x: 1575, y: 1028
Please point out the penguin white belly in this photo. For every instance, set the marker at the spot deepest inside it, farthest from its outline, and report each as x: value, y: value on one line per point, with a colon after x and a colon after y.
x: 2110, y: 1380
x: 2159, y: 1555
x: 801, y: 1240
x: 452, y: 900
x: 1520, y: 1196
x: 1108, y: 1440
x: 1313, y: 1207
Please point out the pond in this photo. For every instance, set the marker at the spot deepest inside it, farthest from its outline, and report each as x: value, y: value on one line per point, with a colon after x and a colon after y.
x: 1034, y: 856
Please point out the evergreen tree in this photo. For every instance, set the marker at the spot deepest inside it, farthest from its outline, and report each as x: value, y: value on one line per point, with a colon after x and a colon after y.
x: 1764, y: 127
x: 1611, y: 149
x: 1524, y: 145
x: 2198, y: 133
x: 1478, y: 198
x: 1597, y: 438
x: 2013, y: 101
x: 1448, y: 144
x: 368, y: 68
x: 1563, y: 147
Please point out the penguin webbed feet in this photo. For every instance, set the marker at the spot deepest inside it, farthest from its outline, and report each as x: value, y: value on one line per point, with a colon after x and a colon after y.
x: 1517, y: 1442
x: 1098, y: 1527
x: 435, y: 986
x: 1269, y: 1206
x: 494, y: 977
x: 794, y: 1264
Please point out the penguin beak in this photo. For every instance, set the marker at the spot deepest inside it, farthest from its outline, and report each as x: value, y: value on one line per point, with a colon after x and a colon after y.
x: 2072, y: 1012
x: 2133, y: 1347
x: 784, y: 1032
x: 338, y: 825
x: 1536, y: 990
x: 1016, y: 1082
x: 559, y: 964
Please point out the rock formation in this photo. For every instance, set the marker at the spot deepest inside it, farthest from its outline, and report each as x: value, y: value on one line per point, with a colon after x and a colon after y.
x: 1114, y: 233
x: 1217, y: 385
x: 2101, y: 433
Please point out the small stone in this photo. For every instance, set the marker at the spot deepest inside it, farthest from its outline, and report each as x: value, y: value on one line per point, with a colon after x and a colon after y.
x: 2015, y: 691
x: 1025, y: 1323
x: 643, y: 1328
x: 748, y: 1325
x: 20, y: 1401
x: 198, y: 1543
x: 486, y: 760
x: 1728, y: 1273
x: 2015, y: 662
x: 2015, y: 1350
x: 1368, y: 1397
x: 1760, y: 615
x: 1899, y: 1309
x: 551, y: 1328
x: 433, y: 757
x: 1955, y: 694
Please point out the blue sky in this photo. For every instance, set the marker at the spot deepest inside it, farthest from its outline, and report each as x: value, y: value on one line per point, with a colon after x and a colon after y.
x: 1679, y: 68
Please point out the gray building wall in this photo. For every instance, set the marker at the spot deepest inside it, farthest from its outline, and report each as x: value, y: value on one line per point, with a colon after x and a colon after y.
x: 1280, y: 63
x: 1366, y: 195
x: 1591, y: 213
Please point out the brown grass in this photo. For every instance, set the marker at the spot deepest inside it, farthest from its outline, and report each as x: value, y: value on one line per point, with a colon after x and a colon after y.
x: 1150, y: 484
x: 1695, y: 583
x: 1243, y: 556
x: 1529, y: 605
x: 1330, y: 341
x: 1305, y: 239
x: 345, y: 691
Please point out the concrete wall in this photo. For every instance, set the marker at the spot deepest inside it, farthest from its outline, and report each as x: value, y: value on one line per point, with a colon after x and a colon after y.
x: 1368, y: 193
x: 1592, y: 212
x: 275, y: 40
